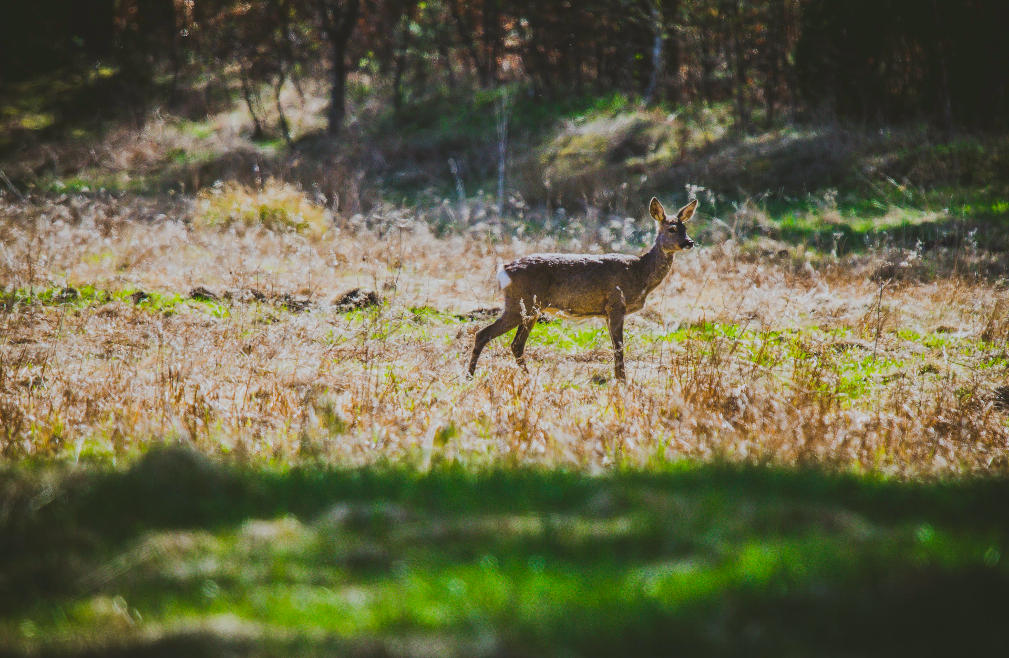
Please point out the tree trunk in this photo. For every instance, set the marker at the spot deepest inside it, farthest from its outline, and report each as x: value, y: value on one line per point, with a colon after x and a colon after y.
x: 669, y: 16
x: 742, y: 112
x: 338, y: 21
x: 578, y: 64
x: 466, y: 35
x: 338, y: 94
x: 257, y: 125
x: 775, y: 46
x: 706, y: 65
x: 947, y: 108
x: 657, y: 38
x: 285, y: 127
x: 789, y: 79
x: 401, y: 53
x: 445, y: 56
x: 491, y: 42
x: 600, y: 65
x: 397, y: 75
x: 503, y: 105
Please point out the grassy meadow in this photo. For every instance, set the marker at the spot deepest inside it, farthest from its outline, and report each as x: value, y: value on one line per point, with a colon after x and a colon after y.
x: 124, y: 328
x: 238, y: 424
x: 234, y: 418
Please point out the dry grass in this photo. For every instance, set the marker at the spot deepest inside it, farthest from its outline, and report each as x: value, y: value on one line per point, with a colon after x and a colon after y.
x: 753, y: 353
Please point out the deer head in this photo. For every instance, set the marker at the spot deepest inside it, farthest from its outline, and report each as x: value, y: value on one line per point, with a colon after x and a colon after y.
x: 672, y: 235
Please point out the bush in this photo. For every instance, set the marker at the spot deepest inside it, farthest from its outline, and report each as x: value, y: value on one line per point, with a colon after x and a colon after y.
x: 277, y: 207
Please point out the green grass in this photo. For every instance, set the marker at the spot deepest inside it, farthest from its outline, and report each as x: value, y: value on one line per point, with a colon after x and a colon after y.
x: 88, y: 295
x: 866, y: 222
x: 834, y: 362
x: 831, y: 361
x: 710, y: 559
x: 571, y: 337
x: 93, y: 181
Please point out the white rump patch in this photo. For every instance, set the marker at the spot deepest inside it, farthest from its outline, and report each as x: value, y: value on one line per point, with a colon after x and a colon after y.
x: 503, y: 279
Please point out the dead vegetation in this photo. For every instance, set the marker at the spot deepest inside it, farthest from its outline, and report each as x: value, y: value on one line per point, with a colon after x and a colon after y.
x: 750, y: 352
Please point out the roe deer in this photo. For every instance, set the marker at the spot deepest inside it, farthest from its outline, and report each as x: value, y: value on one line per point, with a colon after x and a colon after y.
x: 583, y: 285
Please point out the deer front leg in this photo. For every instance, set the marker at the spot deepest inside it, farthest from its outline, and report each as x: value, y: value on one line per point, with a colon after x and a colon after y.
x: 615, y: 320
x: 519, y: 342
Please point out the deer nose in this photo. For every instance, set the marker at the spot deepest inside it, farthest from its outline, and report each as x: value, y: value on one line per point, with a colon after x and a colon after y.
x: 689, y: 244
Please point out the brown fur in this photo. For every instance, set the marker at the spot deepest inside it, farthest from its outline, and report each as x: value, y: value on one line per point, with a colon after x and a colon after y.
x: 583, y: 285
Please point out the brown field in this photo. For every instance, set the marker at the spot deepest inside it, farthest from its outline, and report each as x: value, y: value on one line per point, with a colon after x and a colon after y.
x: 753, y: 351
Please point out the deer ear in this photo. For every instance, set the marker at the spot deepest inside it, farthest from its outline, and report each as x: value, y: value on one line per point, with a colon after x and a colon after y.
x: 686, y: 212
x: 657, y: 211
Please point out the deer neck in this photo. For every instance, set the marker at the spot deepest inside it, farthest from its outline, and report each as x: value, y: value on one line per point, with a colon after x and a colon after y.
x: 655, y: 265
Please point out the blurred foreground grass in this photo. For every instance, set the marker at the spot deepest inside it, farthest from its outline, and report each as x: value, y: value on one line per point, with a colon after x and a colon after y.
x: 182, y: 556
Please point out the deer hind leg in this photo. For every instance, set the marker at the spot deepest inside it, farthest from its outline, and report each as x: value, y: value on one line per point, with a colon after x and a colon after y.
x: 510, y: 319
x: 519, y: 342
x: 615, y: 321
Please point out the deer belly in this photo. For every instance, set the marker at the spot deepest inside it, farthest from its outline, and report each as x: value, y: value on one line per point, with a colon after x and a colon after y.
x: 573, y: 303
x: 566, y: 314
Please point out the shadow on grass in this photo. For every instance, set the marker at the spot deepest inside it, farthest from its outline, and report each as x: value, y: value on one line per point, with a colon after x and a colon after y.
x: 182, y: 556
x: 987, y: 232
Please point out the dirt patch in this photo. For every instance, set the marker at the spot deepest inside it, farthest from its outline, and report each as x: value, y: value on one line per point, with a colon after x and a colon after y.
x: 68, y: 294
x: 292, y: 303
x: 201, y: 294
x: 357, y: 298
x: 1002, y: 398
x: 480, y: 314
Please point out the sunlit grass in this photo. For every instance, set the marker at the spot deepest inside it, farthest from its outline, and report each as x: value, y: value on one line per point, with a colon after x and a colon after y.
x: 748, y: 352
